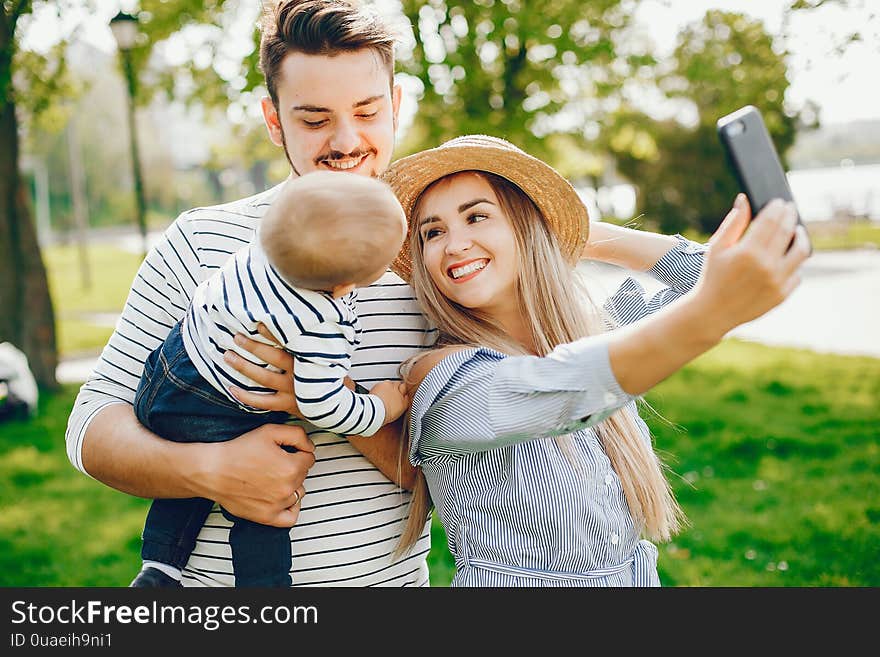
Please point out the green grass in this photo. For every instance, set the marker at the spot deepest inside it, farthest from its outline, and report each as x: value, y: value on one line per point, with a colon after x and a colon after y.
x: 81, y: 337
x: 781, y: 447
x: 829, y: 235
x: 849, y: 235
x: 112, y: 271
x: 57, y: 526
x: 776, y: 455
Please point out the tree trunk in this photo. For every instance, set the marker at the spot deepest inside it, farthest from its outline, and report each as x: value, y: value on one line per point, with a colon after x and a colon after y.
x: 27, y: 319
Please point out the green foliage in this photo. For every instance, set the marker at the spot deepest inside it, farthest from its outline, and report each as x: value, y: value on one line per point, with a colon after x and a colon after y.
x: 720, y: 64
x: 775, y: 462
x: 509, y: 68
x: 158, y: 21
x: 32, y: 81
x: 10, y: 15
x: 42, y: 80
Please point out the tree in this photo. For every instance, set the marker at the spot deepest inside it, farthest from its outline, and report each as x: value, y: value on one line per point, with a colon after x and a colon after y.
x: 860, y: 31
x: 26, y: 316
x: 511, y: 68
x: 31, y: 84
x: 720, y: 64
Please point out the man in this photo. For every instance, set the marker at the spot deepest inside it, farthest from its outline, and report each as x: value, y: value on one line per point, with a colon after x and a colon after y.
x: 332, y: 105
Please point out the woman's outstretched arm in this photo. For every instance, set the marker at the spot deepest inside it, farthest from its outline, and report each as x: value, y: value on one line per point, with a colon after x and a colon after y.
x: 748, y: 271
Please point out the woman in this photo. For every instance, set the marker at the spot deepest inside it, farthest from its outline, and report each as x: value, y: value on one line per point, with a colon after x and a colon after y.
x: 523, y: 419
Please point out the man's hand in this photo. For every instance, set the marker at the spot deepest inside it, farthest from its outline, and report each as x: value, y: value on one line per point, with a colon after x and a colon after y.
x: 254, y: 478
x: 283, y: 399
x: 383, y: 449
x: 251, y: 476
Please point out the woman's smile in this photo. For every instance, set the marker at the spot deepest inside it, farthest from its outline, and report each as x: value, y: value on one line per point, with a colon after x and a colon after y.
x: 464, y: 271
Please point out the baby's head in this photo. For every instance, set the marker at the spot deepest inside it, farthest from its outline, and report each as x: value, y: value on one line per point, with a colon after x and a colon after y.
x: 333, y: 231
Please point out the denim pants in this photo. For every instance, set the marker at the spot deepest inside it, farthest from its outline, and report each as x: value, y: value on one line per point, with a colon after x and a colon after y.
x: 174, y: 401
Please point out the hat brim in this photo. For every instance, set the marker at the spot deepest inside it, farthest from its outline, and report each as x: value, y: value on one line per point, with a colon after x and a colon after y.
x: 562, y: 208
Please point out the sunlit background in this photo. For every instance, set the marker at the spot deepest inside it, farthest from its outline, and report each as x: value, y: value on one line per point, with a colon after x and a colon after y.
x: 621, y: 96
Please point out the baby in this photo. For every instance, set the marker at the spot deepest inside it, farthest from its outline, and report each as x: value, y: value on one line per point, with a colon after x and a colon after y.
x: 324, y: 235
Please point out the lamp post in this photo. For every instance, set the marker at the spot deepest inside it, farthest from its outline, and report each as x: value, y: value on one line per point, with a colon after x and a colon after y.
x: 125, y: 31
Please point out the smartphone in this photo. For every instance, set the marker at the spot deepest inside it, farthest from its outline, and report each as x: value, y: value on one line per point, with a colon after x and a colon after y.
x: 753, y: 158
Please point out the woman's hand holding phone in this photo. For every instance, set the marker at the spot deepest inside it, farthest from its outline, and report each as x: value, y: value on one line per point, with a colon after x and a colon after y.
x: 749, y: 267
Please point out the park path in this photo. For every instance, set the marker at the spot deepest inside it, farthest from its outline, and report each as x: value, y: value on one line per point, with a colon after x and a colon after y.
x: 836, y: 309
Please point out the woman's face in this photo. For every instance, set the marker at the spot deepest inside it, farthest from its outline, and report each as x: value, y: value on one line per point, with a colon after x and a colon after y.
x: 469, y: 247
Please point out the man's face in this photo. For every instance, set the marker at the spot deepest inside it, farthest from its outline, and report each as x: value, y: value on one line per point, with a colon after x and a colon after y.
x: 336, y: 113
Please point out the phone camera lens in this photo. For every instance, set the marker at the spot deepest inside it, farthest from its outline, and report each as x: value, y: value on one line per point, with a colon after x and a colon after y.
x: 736, y: 128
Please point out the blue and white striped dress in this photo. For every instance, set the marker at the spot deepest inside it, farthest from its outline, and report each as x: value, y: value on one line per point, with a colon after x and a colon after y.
x: 516, y: 513
x: 319, y: 331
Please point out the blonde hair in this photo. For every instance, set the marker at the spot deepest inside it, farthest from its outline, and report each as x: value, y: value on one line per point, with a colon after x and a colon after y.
x: 326, y: 229
x: 557, y: 309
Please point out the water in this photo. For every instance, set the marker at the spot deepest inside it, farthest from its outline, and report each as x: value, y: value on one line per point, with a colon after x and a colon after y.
x: 819, y: 193
x: 835, y: 309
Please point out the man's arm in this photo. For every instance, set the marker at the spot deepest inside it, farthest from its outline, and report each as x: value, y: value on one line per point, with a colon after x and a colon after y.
x: 250, y: 476
x: 386, y: 449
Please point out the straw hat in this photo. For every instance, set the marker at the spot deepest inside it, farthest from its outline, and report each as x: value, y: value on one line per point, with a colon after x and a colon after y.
x: 561, y: 206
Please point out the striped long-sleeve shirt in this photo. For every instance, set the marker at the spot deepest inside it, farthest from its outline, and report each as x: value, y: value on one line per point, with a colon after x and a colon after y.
x: 353, y: 515
x: 516, y: 512
x: 319, y: 331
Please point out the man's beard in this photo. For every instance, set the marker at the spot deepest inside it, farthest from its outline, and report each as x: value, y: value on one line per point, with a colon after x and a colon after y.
x: 293, y: 168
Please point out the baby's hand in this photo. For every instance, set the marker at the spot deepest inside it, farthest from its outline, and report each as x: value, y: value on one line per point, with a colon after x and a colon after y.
x: 393, y: 396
